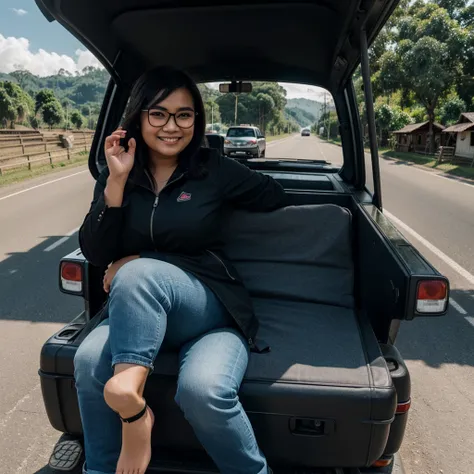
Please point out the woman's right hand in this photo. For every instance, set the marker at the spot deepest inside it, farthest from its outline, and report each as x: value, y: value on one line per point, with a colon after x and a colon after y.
x: 119, y: 161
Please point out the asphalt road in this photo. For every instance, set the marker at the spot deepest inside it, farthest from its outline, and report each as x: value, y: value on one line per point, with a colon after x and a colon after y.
x: 37, y: 229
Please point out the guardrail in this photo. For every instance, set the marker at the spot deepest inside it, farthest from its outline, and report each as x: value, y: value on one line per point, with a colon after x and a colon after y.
x: 66, y: 154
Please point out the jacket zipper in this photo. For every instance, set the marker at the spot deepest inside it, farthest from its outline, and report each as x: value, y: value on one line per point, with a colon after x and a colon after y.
x: 155, y: 205
x: 222, y: 263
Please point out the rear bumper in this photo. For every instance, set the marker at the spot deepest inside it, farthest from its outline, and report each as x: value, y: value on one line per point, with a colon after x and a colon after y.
x: 229, y: 150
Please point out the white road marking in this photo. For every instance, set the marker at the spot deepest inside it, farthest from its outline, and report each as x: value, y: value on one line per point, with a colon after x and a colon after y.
x: 43, y: 184
x: 17, y: 406
x: 321, y: 151
x: 470, y: 320
x: 457, y: 306
x: 454, y: 265
x: 12, y: 272
x: 61, y: 240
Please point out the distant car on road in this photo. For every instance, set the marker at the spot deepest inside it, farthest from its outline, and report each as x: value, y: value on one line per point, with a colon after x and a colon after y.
x: 305, y: 132
x: 245, y: 140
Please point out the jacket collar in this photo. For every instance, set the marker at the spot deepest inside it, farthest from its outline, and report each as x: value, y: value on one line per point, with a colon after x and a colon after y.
x: 143, y: 178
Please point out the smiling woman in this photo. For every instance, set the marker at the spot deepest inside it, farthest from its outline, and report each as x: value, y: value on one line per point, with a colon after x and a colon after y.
x: 169, y: 282
x: 165, y: 116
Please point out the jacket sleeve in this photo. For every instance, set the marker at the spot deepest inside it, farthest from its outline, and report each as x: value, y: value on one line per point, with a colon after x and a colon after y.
x: 100, y: 231
x: 249, y: 189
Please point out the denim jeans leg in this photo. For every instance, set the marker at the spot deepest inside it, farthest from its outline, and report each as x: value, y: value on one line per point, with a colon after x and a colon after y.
x: 101, y: 426
x: 211, y: 370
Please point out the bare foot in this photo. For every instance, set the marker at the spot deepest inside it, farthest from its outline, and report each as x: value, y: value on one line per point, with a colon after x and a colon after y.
x: 136, y: 445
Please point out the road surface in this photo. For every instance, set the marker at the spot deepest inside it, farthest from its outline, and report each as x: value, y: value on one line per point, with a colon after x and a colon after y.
x: 39, y: 223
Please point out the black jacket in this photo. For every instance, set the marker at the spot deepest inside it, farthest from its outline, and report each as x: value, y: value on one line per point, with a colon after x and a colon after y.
x: 182, y: 225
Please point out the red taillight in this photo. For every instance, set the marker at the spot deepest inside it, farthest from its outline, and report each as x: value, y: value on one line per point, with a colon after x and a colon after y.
x: 432, y: 296
x: 403, y: 407
x: 384, y: 462
x: 71, y: 271
x: 71, y: 277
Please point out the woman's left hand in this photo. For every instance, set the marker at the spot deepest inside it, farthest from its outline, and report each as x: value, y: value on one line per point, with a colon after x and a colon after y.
x: 113, y: 269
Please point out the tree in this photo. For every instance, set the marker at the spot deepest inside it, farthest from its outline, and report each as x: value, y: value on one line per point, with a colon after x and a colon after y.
x: 427, y: 59
x: 52, y: 113
x: 451, y: 109
x: 266, y: 105
x: 23, y: 77
x: 7, y: 108
x: 21, y: 101
x: 77, y: 119
x: 43, y: 97
x: 34, y: 122
x: 263, y: 106
x: 211, y: 109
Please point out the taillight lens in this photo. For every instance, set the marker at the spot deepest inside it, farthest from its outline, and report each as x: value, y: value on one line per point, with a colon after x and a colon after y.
x: 403, y: 407
x: 71, y: 277
x: 383, y: 462
x: 432, y: 296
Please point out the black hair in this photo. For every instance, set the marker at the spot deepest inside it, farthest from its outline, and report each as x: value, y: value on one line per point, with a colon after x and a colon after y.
x: 154, y: 86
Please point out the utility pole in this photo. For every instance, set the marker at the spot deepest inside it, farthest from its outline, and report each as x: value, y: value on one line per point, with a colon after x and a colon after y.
x: 212, y: 115
x: 235, y: 114
x: 325, y: 111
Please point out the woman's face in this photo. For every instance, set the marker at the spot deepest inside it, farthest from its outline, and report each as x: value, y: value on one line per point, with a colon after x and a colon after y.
x: 169, y: 139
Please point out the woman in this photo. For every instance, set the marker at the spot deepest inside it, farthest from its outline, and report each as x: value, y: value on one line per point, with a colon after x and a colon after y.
x: 156, y: 214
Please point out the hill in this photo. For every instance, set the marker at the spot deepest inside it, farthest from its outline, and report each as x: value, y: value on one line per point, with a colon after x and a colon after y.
x: 301, y: 116
x: 88, y: 87
x: 312, y: 107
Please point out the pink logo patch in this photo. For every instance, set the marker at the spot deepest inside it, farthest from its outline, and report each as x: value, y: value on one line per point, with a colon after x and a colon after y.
x: 184, y: 197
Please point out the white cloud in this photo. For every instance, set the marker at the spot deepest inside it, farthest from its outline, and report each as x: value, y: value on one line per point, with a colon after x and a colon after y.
x: 19, y: 11
x: 297, y: 91
x: 15, y: 54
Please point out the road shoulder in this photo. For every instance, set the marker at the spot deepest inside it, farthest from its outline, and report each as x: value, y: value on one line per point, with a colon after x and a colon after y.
x: 41, y: 180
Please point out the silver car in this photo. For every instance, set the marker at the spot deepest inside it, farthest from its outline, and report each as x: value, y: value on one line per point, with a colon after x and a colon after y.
x: 244, y: 140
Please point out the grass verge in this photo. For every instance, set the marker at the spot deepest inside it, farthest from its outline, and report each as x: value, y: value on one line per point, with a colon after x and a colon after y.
x: 452, y: 169
x: 23, y: 174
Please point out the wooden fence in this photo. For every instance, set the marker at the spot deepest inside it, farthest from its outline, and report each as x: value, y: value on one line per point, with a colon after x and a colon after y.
x: 51, y: 157
x: 26, y: 149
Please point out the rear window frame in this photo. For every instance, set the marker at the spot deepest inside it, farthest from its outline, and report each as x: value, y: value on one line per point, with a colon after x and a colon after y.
x: 242, y: 136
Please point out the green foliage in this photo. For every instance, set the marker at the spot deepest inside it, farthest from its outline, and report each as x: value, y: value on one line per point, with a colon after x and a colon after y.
x: 52, y: 113
x: 77, y: 119
x: 17, y: 104
x: 301, y: 116
x: 211, y: 109
x: 263, y: 107
x: 34, y: 122
x: 7, y: 108
x: 43, y: 97
x: 427, y: 52
x: 451, y: 109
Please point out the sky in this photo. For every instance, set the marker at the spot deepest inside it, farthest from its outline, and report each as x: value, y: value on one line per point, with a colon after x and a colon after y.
x: 28, y: 41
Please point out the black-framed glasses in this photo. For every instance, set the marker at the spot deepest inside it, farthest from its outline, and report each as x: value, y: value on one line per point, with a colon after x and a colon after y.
x: 159, y: 117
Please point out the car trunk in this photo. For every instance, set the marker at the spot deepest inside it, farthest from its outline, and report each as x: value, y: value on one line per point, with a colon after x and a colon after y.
x: 323, y: 387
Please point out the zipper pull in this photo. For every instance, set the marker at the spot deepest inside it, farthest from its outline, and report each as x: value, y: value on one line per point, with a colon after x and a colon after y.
x: 156, y: 201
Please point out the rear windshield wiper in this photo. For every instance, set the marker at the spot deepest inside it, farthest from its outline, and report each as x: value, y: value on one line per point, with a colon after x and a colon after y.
x: 282, y: 160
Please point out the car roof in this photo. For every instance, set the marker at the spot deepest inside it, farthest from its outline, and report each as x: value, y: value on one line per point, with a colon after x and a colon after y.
x: 129, y: 36
x: 242, y: 126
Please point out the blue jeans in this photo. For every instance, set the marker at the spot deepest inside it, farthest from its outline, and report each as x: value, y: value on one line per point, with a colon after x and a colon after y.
x: 153, y: 303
